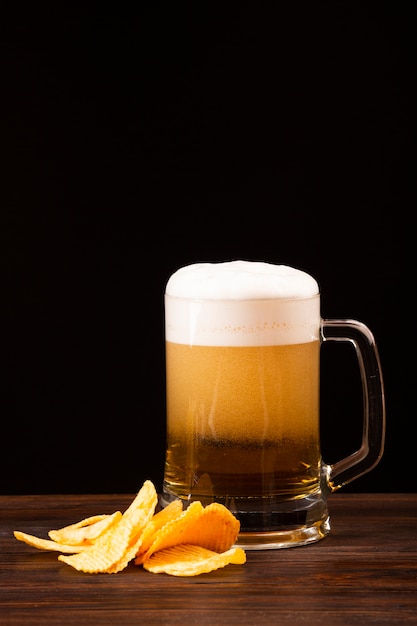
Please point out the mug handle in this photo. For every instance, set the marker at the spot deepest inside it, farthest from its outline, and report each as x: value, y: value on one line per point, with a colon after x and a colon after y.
x: 373, y: 434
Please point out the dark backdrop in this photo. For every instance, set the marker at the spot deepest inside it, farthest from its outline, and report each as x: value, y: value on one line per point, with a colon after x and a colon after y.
x: 139, y: 140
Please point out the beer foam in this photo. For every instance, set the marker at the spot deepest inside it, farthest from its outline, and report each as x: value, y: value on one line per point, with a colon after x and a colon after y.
x: 241, y: 303
x: 237, y: 280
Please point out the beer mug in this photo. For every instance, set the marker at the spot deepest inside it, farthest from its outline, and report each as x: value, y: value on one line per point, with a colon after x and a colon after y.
x: 243, y: 345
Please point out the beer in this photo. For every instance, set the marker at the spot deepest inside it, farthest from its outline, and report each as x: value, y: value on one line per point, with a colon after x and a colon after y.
x: 242, y: 421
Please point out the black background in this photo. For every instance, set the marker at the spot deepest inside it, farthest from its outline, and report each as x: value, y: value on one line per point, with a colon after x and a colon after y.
x: 137, y: 140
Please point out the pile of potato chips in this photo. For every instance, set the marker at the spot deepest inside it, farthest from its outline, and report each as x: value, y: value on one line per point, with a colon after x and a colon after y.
x: 174, y: 541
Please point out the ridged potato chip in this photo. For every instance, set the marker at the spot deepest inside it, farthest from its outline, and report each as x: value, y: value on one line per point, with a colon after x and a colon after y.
x: 175, y: 532
x: 216, y: 529
x: 113, y: 550
x: 189, y: 560
x: 169, y: 513
x: 47, y: 544
x: 86, y: 531
x: 213, y: 527
x: 175, y: 541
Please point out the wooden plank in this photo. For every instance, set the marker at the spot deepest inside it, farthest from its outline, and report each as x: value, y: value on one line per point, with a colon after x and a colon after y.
x: 364, y: 572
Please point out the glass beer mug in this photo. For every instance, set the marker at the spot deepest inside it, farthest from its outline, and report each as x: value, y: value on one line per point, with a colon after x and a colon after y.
x: 243, y: 345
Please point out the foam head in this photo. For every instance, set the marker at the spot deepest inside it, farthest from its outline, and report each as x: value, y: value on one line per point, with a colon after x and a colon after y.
x: 241, y: 303
x: 237, y: 280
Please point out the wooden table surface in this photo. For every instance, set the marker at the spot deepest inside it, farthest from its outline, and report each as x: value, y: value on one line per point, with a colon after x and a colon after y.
x: 364, y: 572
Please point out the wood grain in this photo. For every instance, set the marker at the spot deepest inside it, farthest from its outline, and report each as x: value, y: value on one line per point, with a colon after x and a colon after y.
x: 364, y: 572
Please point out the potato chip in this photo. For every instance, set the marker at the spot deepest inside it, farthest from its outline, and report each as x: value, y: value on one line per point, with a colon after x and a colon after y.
x: 86, y: 531
x: 216, y: 529
x: 136, y: 540
x: 175, y: 541
x: 175, y: 531
x: 142, y: 509
x: 112, y: 551
x: 169, y: 513
x: 213, y: 527
x: 47, y: 544
x: 190, y: 560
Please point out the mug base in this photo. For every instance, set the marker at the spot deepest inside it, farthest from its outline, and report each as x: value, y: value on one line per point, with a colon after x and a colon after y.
x: 273, y: 523
x: 284, y: 538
